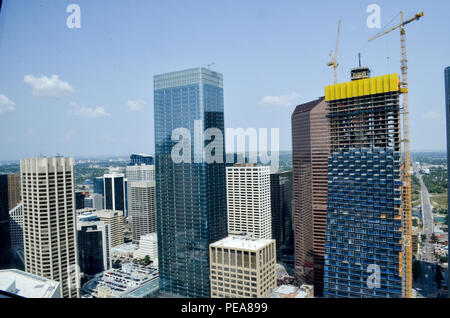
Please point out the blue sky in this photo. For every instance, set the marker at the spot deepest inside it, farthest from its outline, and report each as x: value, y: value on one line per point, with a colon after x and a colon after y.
x: 96, y: 96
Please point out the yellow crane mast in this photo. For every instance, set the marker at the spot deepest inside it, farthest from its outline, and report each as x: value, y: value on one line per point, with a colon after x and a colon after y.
x: 406, y: 171
x: 334, y: 63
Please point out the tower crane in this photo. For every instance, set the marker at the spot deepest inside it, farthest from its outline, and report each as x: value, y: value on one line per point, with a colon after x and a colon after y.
x: 334, y: 59
x: 406, y: 174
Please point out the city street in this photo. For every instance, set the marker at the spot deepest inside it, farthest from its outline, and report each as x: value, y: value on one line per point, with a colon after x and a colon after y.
x: 427, y: 218
x: 425, y: 284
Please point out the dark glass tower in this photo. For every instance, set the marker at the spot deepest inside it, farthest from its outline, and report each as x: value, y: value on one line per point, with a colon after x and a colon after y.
x: 114, y: 197
x: 190, y: 197
x: 447, y: 103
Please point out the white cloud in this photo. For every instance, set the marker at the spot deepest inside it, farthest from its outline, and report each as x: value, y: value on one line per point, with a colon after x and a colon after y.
x: 135, y: 105
x: 6, y: 105
x: 82, y: 111
x: 431, y: 115
x: 47, y: 87
x: 281, y: 101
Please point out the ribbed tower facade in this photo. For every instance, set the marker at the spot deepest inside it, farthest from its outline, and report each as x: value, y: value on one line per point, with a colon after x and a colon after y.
x: 49, y: 230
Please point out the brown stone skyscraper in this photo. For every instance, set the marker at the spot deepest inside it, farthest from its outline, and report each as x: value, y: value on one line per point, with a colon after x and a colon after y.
x: 310, y: 149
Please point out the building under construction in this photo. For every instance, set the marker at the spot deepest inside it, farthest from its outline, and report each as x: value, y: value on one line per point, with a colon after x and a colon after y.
x: 365, y: 250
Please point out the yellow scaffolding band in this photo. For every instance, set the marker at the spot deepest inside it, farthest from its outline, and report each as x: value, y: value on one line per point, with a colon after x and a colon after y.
x: 367, y: 86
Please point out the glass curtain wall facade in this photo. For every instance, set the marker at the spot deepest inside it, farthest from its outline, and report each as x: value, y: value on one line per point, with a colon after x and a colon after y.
x: 190, y: 197
x: 364, y: 214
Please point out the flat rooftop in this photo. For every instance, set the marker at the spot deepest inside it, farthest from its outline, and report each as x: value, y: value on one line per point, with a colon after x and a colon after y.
x: 242, y: 242
x: 27, y: 285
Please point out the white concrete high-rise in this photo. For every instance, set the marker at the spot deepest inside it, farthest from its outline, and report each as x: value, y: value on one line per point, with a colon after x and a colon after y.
x: 141, y: 199
x: 142, y: 208
x: 140, y: 173
x: 49, y: 230
x: 248, y: 200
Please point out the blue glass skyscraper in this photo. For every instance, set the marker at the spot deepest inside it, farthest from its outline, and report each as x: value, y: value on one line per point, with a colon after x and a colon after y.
x: 190, y: 197
x: 364, y: 247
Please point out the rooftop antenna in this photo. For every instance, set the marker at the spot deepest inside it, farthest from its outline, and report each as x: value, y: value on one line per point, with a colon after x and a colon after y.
x: 211, y: 64
x: 359, y: 57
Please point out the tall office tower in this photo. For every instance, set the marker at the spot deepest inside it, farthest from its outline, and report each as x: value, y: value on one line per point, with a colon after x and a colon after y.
x: 141, y: 159
x: 115, y: 221
x: 447, y: 103
x: 287, y: 227
x: 94, y: 246
x: 142, y: 208
x: 114, y: 192
x: 99, y: 186
x: 276, y: 210
x: 248, y: 200
x: 310, y: 147
x: 364, y: 254
x: 242, y: 267
x: 49, y: 229
x: 281, y: 208
x: 5, y: 252
x: 141, y: 198
x: 190, y: 196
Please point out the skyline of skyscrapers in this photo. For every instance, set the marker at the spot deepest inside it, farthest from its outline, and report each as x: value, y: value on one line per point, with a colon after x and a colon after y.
x: 345, y: 194
x: 190, y: 196
x: 310, y: 161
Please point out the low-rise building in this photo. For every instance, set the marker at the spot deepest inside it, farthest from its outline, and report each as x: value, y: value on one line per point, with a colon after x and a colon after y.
x: 242, y: 267
x: 129, y: 281
x: 27, y: 285
x: 291, y: 291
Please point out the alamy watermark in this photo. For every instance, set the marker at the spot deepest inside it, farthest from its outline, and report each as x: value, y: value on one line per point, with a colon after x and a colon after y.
x: 374, y: 19
x: 209, y: 147
x: 74, y: 19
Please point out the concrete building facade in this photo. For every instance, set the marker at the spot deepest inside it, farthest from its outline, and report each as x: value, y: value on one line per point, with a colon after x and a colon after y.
x: 242, y: 267
x: 248, y: 201
x: 49, y: 229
